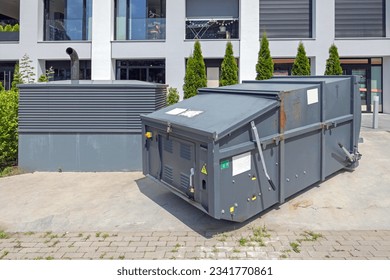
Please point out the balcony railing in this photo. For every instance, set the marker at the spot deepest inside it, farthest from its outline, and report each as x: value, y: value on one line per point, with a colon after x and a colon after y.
x: 140, y: 29
x: 212, y: 29
x: 65, y: 30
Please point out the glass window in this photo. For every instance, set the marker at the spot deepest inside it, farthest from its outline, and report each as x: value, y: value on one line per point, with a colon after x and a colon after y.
x: 217, y: 19
x: 68, y: 20
x: 62, y: 69
x: 357, y: 18
x: 286, y: 19
x: 142, y: 70
x: 369, y: 72
x: 140, y: 19
x: 7, y: 73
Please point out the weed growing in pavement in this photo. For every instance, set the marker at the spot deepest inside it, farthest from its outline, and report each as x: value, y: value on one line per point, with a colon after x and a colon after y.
x: 29, y: 233
x: 121, y: 257
x: 49, y: 258
x: 176, y: 249
x: 243, y: 241
x: 311, y: 236
x: 80, y: 235
x: 4, y: 254
x: 222, y: 237
x: 259, y: 233
x: 3, y: 235
x: 105, y: 235
x: 295, y: 247
x: 98, y: 234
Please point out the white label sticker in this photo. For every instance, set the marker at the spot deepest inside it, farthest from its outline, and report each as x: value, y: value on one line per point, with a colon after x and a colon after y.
x: 190, y: 113
x: 241, y: 163
x: 176, y: 111
x: 312, y: 96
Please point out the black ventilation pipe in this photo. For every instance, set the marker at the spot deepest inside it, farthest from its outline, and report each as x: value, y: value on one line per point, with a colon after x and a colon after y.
x: 74, y: 64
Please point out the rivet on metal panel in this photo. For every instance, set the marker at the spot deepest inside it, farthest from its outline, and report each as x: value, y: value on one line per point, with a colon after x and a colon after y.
x: 304, y: 172
x: 223, y: 211
x: 296, y: 175
x: 233, y: 181
x: 288, y: 180
x: 248, y: 199
x: 235, y: 205
x: 276, y: 164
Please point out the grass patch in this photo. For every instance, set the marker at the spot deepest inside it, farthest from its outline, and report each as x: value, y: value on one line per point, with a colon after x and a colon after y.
x: 49, y: 258
x: 176, y: 248
x: 29, y: 233
x: 243, y: 241
x: 295, y: 247
x: 222, y: 237
x: 3, y: 235
x: 121, y: 257
x: 105, y: 235
x: 259, y: 233
x: 98, y: 234
x: 311, y: 236
x: 11, y: 171
x: 4, y: 254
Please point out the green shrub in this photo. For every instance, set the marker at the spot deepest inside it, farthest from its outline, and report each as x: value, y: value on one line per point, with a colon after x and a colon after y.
x: 8, y: 127
x: 195, y: 76
x: 333, y: 66
x: 15, y: 28
x: 173, y: 96
x: 265, y: 65
x: 301, y: 66
x: 1, y: 28
x: 229, y: 68
x: 8, y: 28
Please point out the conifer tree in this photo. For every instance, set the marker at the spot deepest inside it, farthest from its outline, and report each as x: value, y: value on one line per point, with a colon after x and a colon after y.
x: 333, y: 66
x: 265, y: 65
x: 301, y: 66
x: 17, y: 78
x: 195, y: 76
x: 229, y: 68
x: 26, y: 70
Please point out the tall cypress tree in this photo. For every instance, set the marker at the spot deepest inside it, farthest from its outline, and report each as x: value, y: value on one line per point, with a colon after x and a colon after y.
x: 301, y: 66
x: 195, y: 76
x: 333, y: 66
x: 265, y: 65
x: 229, y: 68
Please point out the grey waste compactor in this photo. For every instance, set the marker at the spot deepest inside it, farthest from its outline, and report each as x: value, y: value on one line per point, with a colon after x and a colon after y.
x: 235, y: 151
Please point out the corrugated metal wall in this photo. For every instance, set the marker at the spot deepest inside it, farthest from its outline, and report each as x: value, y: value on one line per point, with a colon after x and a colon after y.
x: 360, y: 18
x: 84, y: 127
x: 286, y: 18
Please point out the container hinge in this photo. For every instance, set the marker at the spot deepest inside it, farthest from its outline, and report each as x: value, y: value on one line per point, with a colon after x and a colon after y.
x: 169, y: 129
x: 257, y: 138
x: 329, y: 125
x: 353, y: 157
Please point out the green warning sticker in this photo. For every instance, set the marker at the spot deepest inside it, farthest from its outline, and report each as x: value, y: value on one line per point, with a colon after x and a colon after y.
x: 224, y: 164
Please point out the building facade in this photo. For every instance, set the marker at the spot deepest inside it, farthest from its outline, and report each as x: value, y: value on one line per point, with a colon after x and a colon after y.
x: 150, y: 40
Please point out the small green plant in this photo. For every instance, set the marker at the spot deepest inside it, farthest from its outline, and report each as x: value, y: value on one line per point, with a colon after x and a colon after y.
x: 15, y: 28
x: 3, y: 235
x: 47, y: 76
x: 102, y: 255
x: 121, y: 257
x: 105, y: 235
x: 243, y: 241
x: 176, y: 249
x: 173, y: 96
x: 11, y: 171
x: 1, y: 28
x: 80, y: 235
x: 222, y: 237
x: 235, y: 250
x: 8, y: 28
x: 311, y: 236
x: 29, y: 233
x: 4, y: 254
x: 49, y: 258
x: 295, y: 247
x: 98, y: 234
x: 38, y: 258
x: 215, y: 249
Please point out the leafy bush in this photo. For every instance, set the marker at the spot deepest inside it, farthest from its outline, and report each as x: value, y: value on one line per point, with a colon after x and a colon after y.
x: 15, y: 28
x: 8, y: 127
x: 301, y: 66
x: 173, y: 96
x: 1, y: 28
x: 229, y: 68
x: 265, y: 65
x: 8, y: 28
x: 195, y: 76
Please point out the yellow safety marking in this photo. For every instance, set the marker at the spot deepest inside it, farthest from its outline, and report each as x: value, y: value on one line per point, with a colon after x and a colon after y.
x: 232, y: 210
x: 254, y: 178
x: 148, y: 135
x: 254, y: 198
x: 204, y: 170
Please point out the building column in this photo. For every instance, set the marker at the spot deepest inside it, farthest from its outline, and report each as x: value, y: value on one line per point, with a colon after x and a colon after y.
x: 249, y: 38
x: 324, y: 33
x: 175, y: 50
x: 102, y: 35
x: 386, y: 85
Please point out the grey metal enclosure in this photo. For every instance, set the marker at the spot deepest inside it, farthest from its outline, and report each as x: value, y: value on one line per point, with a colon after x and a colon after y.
x: 84, y: 125
x: 235, y: 151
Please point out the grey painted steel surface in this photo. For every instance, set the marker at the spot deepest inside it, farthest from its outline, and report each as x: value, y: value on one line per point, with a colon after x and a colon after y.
x: 84, y: 125
x: 204, y: 149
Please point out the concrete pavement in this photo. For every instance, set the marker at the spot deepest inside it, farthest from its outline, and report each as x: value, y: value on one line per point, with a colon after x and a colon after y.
x: 124, y: 215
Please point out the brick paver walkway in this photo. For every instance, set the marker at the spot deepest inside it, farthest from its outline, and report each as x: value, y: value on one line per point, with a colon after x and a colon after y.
x: 247, y: 243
